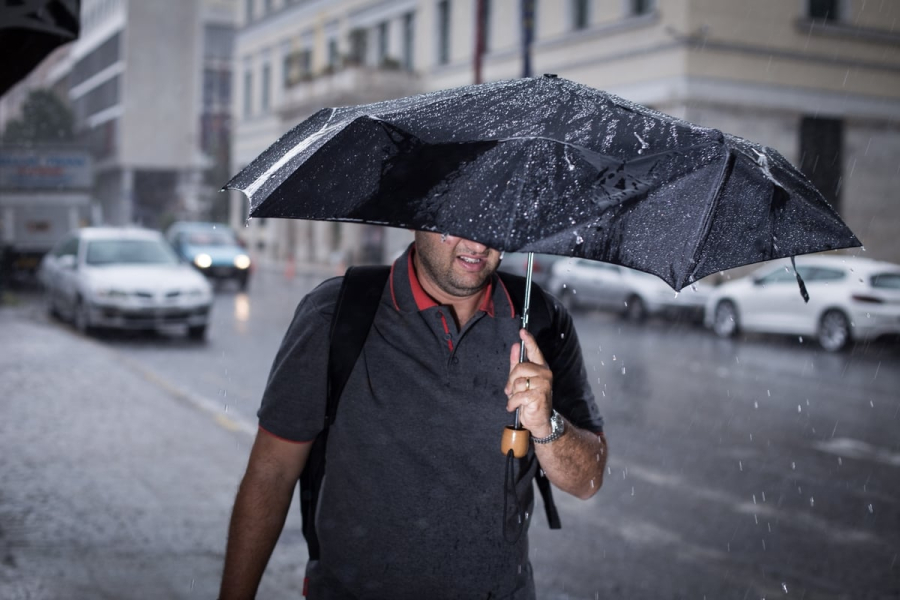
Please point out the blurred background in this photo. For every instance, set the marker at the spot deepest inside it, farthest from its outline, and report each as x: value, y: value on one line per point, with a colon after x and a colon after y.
x: 743, y: 465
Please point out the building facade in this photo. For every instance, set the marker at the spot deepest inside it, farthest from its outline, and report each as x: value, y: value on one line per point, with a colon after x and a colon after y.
x: 150, y: 86
x: 819, y: 80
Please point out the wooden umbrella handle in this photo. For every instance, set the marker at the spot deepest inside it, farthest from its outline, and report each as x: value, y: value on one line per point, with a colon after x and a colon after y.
x: 515, y: 440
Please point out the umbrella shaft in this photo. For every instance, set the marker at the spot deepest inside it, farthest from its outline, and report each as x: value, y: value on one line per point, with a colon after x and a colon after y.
x: 525, y: 310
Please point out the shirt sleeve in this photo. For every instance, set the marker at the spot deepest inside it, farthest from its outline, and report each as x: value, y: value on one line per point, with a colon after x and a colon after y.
x: 293, y: 403
x: 572, y: 393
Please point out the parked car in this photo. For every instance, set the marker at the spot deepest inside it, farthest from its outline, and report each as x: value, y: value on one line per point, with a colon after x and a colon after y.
x: 850, y: 298
x: 517, y: 264
x: 581, y: 283
x: 124, y: 278
x: 213, y: 249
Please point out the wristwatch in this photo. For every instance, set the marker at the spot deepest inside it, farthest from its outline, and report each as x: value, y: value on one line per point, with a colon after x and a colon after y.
x: 557, y: 428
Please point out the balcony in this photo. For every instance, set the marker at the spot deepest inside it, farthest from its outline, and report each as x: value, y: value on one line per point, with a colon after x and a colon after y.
x: 350, y: 85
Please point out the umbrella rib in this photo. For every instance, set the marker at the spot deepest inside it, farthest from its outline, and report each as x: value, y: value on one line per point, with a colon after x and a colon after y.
x: 286, y: 158
x: 713, y: 205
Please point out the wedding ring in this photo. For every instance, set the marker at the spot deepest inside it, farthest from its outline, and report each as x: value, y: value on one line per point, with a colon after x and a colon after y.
x: 527, y: 383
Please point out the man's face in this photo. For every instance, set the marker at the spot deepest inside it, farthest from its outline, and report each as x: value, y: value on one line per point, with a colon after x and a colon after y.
x: 457, y: 266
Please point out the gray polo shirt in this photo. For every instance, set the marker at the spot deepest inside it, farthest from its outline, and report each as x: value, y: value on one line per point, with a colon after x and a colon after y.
x: 413, y: 500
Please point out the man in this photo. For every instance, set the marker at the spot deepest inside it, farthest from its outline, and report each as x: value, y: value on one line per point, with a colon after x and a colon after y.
x: 412, y: 505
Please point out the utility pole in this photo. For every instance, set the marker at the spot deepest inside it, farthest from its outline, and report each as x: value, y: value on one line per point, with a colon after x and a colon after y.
x: 527, y: 35
x: 479, y: 38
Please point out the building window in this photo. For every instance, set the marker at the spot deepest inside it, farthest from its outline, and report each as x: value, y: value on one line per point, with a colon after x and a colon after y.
x: 359, y: 43
x: 266, y: 99
x: 580, y: 16
x: 641, y: 7
x: 382, y: 42
x: 409, y: 23
x: 248, y: 10
x: 218, y: 41
x: 334, y: 54
x: 821, y: 156
x: 485, y: 20
x: 269, y: 6
x: 248, y: 94
x: 827, y: 10
x: 443, y: 10
x: 297, y: 67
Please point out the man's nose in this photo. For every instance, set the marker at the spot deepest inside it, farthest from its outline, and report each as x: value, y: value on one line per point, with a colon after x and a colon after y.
x: 475, y: 247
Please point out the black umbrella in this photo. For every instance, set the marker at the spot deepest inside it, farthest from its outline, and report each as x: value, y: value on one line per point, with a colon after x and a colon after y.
x: 29, y: 31
x: 552, y: 166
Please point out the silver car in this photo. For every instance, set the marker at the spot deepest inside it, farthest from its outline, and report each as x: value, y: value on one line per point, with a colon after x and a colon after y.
x: 124, y: 278
x: 582, y: 283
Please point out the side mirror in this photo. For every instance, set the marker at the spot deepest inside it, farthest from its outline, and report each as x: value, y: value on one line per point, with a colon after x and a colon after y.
x: 67, y: 261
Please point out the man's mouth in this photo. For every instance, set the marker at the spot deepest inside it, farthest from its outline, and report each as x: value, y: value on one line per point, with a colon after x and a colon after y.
x: 471, y: 263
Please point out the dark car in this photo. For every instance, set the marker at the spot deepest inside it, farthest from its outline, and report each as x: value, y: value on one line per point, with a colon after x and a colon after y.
x: 213, y: 248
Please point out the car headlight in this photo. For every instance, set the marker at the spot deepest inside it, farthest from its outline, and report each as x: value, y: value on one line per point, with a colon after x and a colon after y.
x: 204, y: 261
x: 242, y: 261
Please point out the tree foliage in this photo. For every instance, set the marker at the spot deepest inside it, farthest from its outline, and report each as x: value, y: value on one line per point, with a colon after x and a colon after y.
x: 45, y: 119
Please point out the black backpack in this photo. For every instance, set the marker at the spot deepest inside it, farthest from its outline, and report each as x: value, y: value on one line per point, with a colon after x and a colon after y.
x: 354, y: 313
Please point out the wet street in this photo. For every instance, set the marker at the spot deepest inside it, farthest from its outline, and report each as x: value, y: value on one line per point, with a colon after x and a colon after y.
x: 749, y: 468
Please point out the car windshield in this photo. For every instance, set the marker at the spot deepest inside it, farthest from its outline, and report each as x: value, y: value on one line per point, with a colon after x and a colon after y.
x: 210, y: 238
x: 140, y: 252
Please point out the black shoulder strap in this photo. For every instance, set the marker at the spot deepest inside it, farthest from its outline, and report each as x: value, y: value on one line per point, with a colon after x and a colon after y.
x: 353, y: 316
x: 354, y: 313
x: 540, y: 326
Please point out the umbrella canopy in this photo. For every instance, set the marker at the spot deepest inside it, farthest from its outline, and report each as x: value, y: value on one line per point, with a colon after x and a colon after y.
x: 552, y: 166
x: 29, y: 31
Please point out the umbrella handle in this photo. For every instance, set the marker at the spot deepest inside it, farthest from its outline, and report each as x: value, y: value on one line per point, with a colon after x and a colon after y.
x: 516, y: 438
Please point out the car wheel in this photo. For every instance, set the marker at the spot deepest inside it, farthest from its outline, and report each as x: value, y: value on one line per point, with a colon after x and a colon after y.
x: 635, y: 310
x: 82, y: 318
x: 243, y: 282
x: 834, y: 331
x: 50, y: 304
x: 197, y: 332
x: 725, y: 321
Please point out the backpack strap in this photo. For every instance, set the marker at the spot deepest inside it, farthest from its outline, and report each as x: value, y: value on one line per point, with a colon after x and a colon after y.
x: 354, y: 313
x: 541, y: 327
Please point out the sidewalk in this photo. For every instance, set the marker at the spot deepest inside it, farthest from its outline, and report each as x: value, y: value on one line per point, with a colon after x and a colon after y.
x: 112, y: 485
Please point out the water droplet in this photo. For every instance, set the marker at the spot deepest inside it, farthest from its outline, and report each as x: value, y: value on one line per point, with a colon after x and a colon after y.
x: 871, y: 510
x: 812, y: 501
x: 763, y: 496
x: 840, y: 461
x: 623, y: 370
x: 755, y: 404
x: 784, y: 587
x: 801, y: 339
x: 578, y: 239
x: 444, y: 237
x: 741, y: 466
x: 769, y: 392
x: 502, y: 254
x: 793, y: 465
x: 562, y: 336
x: 799, y: 409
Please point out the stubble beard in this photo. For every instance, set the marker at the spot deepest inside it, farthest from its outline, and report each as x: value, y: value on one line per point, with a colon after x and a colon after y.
x: 449, y: 281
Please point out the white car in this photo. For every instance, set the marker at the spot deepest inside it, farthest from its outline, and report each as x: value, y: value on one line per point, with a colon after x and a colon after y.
x: 124, y: 278
x: 582, y: 283
x: 850, y: 299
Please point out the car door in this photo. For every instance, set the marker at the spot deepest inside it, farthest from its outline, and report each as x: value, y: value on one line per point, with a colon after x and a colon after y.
x: 595, y: 283
x: 774, y: 302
